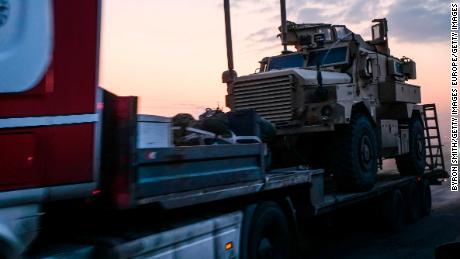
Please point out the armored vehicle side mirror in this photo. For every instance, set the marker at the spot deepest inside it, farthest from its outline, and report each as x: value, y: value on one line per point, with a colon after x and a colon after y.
x: 408, y: 68
x: 379, y: 31
x: 376, y: 34
x: 379, y: 34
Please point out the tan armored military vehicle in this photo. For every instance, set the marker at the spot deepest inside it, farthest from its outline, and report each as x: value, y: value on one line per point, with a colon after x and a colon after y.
x: 338, y: 102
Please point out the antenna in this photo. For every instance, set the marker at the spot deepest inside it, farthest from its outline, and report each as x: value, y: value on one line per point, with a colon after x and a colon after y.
x: 283, y: 25
x: 228, y: 34
x: 230, y: 75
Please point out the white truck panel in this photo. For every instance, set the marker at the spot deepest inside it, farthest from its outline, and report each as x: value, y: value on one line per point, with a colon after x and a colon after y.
x: 26, y: 40
x: 205, y: 239
x: 154, y: 131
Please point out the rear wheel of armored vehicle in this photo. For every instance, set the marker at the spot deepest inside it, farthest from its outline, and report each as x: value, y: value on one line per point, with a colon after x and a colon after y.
x: 413, y: 163
x: 354, y: 163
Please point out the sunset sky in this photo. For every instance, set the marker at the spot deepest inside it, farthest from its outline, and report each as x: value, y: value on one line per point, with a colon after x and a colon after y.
x: 172, y: 53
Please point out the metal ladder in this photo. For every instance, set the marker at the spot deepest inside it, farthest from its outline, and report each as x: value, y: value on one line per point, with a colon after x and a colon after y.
x: 434, y: 154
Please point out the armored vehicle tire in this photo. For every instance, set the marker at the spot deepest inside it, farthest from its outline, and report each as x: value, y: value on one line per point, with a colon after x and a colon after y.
x: 269, y: 235
x: 413, y: 163
x: 354, y: 162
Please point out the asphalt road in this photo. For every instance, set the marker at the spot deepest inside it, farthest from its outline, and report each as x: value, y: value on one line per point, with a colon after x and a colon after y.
x: 354, y: 234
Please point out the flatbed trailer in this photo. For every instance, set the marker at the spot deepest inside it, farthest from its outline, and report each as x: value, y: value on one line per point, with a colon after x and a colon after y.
x: 218, y: 222
x: 203, y: 201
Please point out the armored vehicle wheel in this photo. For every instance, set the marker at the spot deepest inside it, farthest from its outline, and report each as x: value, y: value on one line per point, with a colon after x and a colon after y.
x: 354, y: 163
x: 413, y: 163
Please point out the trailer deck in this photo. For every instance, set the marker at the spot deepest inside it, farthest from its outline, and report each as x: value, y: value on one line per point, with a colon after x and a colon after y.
x: 272, y: 180
x: 387, y: 181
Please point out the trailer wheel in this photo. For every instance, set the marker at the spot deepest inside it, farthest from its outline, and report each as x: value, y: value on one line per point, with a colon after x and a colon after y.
x: 412, y: 202
x: 393, y: 210
x: 426, y: 199
x: 354, y: 162
x: 6, y: 251
x: 414, y: 162
x: 269, y: 235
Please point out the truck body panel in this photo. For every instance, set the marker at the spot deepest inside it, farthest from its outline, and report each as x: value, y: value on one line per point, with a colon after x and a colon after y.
x: 48, y: 132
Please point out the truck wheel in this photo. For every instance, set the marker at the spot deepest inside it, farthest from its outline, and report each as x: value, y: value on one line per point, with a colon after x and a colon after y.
x: 393, y: 210
x: 426, y: 199
x: 413, y: 163
x: 354, y: 162
x: 6, y: 251
x: 412, y: 201
x: 269, y: 235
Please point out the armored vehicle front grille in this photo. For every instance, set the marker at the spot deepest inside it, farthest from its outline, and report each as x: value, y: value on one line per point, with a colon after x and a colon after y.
x: 271, y: 97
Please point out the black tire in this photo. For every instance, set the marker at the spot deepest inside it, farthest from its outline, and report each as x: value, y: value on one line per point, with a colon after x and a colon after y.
x: 425, y: 208
x: 7, y: 251
x: 392, y: 211
x: 412, y: 202
x: 354, y: 163
x: 414, y: 162
x: 447, y: 251
x: 269, y: 235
